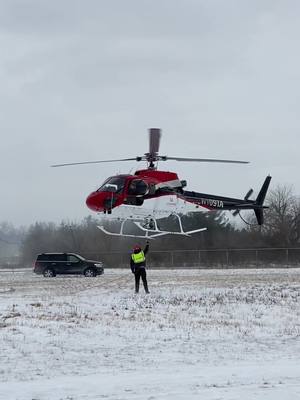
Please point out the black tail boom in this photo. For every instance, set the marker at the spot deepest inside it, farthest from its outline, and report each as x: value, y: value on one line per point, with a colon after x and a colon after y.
x: 214, y: 202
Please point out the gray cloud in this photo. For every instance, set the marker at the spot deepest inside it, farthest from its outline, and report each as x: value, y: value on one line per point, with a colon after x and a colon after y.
x: 85, y: 80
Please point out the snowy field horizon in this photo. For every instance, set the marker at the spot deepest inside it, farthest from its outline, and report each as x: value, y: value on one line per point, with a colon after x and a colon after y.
x: 211, y: 334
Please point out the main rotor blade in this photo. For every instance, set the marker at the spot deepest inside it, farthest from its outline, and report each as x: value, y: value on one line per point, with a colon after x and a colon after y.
x: 154, y: 139
x: 165, y: 158
x: 96, y: 162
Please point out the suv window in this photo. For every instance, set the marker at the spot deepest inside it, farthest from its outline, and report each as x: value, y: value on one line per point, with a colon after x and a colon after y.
x: 73, y: 259
x: 51, y: 257
x: 59, y: 257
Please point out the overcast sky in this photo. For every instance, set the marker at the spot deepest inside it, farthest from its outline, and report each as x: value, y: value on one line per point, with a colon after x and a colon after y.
x: 84, y: 80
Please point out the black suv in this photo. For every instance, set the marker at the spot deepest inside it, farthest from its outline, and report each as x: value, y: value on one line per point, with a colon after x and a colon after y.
x: 51, y: 264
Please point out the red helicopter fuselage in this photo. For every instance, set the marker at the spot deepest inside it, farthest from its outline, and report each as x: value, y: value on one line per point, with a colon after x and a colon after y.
x: 150, y: 183
x: 132, y: 189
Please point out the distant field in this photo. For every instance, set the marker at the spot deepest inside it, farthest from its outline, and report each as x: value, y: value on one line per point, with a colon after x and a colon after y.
x: 211, y: 334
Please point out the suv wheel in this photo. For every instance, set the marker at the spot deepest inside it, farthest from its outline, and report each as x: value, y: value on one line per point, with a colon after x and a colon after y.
x: 89, y: 272
x: 49, y: 273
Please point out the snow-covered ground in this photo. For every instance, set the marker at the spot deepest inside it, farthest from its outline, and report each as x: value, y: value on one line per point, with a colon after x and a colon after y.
x: 214, y: 334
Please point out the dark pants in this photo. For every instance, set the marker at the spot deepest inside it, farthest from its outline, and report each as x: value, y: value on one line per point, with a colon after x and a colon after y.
x: 140, y: 272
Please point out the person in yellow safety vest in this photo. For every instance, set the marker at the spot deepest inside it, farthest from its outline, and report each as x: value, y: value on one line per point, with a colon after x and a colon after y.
x: 138, y: 266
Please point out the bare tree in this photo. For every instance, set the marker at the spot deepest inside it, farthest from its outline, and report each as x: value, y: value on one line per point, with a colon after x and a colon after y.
x: 282, y: 219
x: 296, y: 221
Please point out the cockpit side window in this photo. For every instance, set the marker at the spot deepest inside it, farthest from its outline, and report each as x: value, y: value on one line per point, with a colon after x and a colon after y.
x: 115, y: 184
x: 138, y: 187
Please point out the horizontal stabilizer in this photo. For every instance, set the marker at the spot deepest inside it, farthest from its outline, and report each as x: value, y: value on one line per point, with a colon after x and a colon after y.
x: 249, y: 193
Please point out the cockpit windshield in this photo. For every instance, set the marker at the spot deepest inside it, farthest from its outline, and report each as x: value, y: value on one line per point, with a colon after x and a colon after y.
x: 115, y: 184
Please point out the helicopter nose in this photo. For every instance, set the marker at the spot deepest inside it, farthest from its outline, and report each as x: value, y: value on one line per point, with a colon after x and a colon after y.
x: 95, y: 202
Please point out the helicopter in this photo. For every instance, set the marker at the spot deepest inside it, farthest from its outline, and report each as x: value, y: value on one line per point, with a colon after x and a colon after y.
x: 151, y: 183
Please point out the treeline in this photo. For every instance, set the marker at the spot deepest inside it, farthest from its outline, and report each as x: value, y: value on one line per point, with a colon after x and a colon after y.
x: 11, y: 239
x: 281, y: 229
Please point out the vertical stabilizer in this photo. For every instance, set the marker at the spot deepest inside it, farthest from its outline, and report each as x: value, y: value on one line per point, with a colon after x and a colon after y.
x: 259, y: 202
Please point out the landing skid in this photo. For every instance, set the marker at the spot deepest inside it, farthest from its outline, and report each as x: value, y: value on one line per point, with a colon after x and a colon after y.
x: 160, y: 233
x: 151, y: 229
x: 146, y: 236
